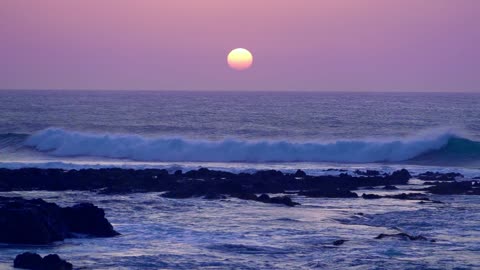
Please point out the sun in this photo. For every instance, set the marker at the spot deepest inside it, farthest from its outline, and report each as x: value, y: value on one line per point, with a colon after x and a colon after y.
x: 240, y: 59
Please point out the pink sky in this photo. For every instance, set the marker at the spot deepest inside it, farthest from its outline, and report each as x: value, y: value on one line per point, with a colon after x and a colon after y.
x: 322, y: 45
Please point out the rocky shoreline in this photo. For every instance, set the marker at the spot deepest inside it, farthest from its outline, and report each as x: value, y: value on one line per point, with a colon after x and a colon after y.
x: 39, y: 222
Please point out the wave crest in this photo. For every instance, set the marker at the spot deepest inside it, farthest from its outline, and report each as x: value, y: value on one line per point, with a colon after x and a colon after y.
x: 59, y: 142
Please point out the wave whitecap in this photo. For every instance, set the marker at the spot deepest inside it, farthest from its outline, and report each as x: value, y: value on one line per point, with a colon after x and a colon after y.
x: 63, y: 143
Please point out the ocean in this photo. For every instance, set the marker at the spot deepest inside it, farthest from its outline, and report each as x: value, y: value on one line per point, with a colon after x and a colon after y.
x: 238, y: 129
x: 248, y: 131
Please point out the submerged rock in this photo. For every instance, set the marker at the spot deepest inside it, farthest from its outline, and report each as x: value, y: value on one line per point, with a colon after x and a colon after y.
x: 402, y: 236
x: 34, y: 261
x: 339, y: 242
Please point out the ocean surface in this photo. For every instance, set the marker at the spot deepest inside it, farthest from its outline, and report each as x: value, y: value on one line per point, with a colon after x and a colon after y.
x: 238, y: 130
x: 247, y: 131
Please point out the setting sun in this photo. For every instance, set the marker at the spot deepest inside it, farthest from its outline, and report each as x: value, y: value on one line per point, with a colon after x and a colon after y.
x: 240, y: 59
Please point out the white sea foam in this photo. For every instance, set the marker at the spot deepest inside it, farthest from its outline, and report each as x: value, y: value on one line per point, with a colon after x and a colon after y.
x: 64, y: 143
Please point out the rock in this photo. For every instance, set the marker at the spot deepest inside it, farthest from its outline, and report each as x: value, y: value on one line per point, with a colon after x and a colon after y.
x: 34, y: 261
x: 27, y: 260
x: 371, y: 196
x: 436, y: 176
x: 451, y: 188
x: 38, y: 222
x: 390, y: 187
x: 339, y: 242
x: 86, y: 218
x: 300, y: 173
x: 400, y: 177
x: 409, y: 196
x: 329, y: 193
x: 402, y: 236
x: 367, y: 172
x: 31, y: 222
x: 283, y: 200
x: 54, y: 262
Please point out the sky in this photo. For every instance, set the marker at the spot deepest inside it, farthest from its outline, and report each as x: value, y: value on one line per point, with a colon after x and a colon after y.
x: 297, y: 45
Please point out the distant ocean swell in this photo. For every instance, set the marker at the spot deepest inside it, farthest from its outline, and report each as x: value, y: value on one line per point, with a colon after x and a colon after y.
x: 63, y: 143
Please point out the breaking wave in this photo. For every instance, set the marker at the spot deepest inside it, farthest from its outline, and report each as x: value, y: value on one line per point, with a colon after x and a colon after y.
x: 427, y: 145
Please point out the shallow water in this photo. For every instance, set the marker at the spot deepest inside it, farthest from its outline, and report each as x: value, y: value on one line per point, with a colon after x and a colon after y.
x: 161, y: 233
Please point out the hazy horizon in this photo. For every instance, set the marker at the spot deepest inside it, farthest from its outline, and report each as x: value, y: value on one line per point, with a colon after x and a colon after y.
x: 347, y: 46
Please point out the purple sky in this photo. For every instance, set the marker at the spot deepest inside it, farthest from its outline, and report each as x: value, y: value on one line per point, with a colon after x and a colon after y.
x: 322, y: 45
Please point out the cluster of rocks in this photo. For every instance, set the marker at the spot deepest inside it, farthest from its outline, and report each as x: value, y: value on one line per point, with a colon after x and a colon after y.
x: 34, y: 261
x: 198, y: 183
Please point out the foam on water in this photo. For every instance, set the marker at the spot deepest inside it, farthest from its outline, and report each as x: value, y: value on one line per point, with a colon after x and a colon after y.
x: 440, y: 142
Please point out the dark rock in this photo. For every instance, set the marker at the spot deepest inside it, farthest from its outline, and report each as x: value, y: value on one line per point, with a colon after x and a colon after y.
x: 408, y: 196
x: 283, y: 200
x: 31, y: 222
x: 54, y: 262
x: 214, y: 196
x: 400, y: 177
x: 339, y: 242
x: 436, y: 176
x: 300, y: 173
x: 35, y: 262
x: 390, y: 187
x: 27, y: 260
x: 178, y: 173
x: 329, y: 193
x: 367, y: 172
x: 38, y: 222
x: 87, y: 218
x: 451, y: 188
x: 264, y: 198
x: 371, y: 196
x: 402, y: 236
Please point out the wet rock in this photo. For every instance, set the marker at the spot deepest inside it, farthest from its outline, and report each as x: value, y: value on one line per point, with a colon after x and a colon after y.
x: 87, y: 218
x: 409, y: 196
x: 367, y: 172
x: 38, y: 222
x: 30, y: 221
x: 329, y: 193
x: 400, y: 177
x: 339, y: 242
x: 27, y: 260
x: 300, y: 173
x: 214, y: 196
x: 402, y: 236
x: 451, y: 188
x: 54, y: 262
x: 436, y: 176
x: 36, y: 262
x: 371, y: 196
x: 283, y: 200
x: 390, y: 187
